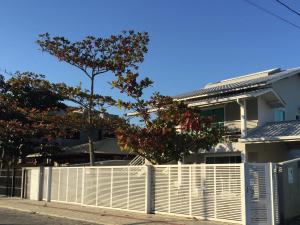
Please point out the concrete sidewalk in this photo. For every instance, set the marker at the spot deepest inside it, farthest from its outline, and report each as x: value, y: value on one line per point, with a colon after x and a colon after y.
x: 97, y: 215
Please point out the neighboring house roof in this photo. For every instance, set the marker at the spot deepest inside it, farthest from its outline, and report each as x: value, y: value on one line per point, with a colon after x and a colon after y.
x: 239, y: 84
x: 275, y: 131
x: 105, y: 146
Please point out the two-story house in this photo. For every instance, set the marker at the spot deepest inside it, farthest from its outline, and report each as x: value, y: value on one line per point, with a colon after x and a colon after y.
x: 261, y: 114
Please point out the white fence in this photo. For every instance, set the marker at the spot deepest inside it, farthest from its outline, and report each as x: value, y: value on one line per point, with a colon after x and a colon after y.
x: 119, y: 187
x: 211, y: 192
x: 237, y: 193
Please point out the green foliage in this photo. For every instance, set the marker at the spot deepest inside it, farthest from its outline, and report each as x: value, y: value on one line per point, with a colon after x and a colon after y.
x: 95, y: 56
x: 28, y: 104
x: 99, y: 55
x: 31, y: 90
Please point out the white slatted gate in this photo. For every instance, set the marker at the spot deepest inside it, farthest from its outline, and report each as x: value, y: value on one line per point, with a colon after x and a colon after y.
x: 261, y: 192
x: 213, y: 192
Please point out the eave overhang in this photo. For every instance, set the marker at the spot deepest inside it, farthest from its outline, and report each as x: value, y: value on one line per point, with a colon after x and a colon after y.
x: 270, y: 139
x: 268, y: 94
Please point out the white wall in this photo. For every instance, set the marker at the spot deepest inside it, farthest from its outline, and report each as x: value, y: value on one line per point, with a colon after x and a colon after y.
x: 289, y: 90
x: 265, y: 112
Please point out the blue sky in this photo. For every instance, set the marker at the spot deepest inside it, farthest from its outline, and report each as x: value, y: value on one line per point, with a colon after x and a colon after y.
x: 192, y: 42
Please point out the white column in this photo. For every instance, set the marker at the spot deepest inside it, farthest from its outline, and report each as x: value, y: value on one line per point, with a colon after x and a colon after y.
x: 243, y: 112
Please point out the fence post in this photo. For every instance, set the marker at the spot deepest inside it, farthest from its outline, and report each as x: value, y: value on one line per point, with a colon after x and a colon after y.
x: 58, y: 186
x: 271, y: 195
x: 281, y: 203
x: 49, y: 186
x: 7, y: 181
x: 76, y: 190
x: 190, y: 190
x: 67, y: 188
x: 97, y: 185
x: 128, y: 186
x: 82, y: 185
x: 148, y: 189
x: 23, y: 183
x: 169, y: 188
x: 215, y: 191
x: 40, y: 183
x: 244, y: 178
x: 111, y: 186
x: 13, y: 177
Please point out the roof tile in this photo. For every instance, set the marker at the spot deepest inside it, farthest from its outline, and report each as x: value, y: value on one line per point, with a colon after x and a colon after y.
x: 276, y: 129
x: 263, y: 81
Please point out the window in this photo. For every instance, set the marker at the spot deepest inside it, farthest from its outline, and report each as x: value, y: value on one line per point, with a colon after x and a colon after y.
x: 217, y: 114
x: 297, y: 117
x: 279, y: 115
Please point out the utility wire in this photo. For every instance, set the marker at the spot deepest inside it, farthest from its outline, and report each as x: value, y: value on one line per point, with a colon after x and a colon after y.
x: 288, y: 7
x: 272, y: 14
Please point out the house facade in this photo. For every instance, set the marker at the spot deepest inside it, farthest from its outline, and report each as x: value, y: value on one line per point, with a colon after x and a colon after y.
x: 260, y: 113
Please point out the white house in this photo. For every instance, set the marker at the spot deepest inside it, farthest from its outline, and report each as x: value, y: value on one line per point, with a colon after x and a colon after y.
x: 261, y: 112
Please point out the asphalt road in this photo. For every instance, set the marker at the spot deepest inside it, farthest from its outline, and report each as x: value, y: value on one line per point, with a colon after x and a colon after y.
x: 14, y: 217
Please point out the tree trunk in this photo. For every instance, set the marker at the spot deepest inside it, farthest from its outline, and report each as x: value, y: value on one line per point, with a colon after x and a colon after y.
x: 2, y: 159
x: 91, y: 151
x: 90, y: 122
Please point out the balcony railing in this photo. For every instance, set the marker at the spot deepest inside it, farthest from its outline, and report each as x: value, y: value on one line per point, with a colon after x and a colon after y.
x: 233, y: 128
x: 237, y: 124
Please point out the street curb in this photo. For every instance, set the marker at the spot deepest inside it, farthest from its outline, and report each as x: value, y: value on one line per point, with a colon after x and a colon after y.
x: 53, y: 215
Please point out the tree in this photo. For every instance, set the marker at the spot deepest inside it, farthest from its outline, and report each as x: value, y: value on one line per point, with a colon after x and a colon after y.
x: 28, y: 115
x: 96, y: 56
x: 174, y: 131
